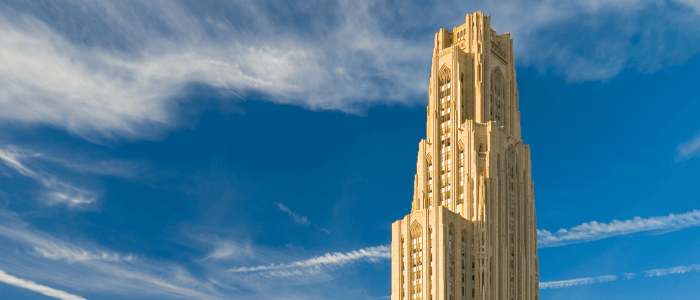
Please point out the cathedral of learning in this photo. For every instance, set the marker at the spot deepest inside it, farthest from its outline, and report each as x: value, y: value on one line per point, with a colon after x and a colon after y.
x: 471, y: 233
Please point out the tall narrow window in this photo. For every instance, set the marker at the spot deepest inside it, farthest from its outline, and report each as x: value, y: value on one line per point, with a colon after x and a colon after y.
x: 416, y: 262
x: 431, y: 263
x: 473, y: 274
x: 402, y: 283
x: 430, y: 182
x: 444, y: 119
x: 464, y: 261
x: 461, y: 175
x: 451, y: 259
x: 497, y: 96
x: 511, y: 171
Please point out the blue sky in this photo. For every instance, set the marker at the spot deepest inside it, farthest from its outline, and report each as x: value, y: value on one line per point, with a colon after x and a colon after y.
x: 261, y: 149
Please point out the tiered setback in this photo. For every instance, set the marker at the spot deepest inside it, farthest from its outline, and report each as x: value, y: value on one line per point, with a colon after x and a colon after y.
x: 471, y: 233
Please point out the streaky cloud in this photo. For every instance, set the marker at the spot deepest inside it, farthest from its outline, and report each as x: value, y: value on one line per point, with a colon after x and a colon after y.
x: 626, y: 275
x: 84, y: 266
x: 688, y: 149
x: 373, y: 254
x: 299, y: 220
x: 592, y: 231
x: 229, y: 250
x: 60, y: 192
x: 575, y: 282
x: 122, y: 76
x: 33, y: 286
x: 114, y: 90
x: 669, y: 271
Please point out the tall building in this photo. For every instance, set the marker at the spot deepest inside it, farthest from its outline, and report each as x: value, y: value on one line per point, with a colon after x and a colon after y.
x: 471, y: 233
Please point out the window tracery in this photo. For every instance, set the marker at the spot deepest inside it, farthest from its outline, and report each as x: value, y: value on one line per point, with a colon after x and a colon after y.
x: 497, y: 96
x: 444, y: 119
x: 416, y: 262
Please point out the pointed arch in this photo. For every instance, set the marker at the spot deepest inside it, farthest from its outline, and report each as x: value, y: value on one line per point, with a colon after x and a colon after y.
x: 416, y: 260
x: 444, y: 76
x: 445, y: 111
x: 498, y: 92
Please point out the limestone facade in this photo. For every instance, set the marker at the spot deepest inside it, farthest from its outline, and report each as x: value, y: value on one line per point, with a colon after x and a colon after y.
x: 471, y: 233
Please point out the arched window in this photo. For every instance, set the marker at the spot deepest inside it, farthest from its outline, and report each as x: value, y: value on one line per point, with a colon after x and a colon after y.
x: 445, y: 111
x: 416, y: 262
x: 497, y: 96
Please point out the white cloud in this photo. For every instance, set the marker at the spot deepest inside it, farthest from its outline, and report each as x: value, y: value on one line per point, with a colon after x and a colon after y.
x: 40, y: 256
x: 608, y: 278
x: 123, y: 75
x: 50, y: 248
x: 228, y: 250
x: 575, y: 282
x: 299, y: 220
x: 373, y: 254
x: 592, y: 231
x: 33, y: 286
x: 595, y: 40
x: 688, y: 149
x: 100, y: 91
x: 669, y: 271
x: 56, y: 252
x: 60, y: 192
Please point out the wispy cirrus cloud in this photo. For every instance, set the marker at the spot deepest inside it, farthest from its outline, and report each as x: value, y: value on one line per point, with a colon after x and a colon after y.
x: 592, y: 231
x: 669, y: 271
x: 29, y: 253
x: 688, y: 149
x: 33, y: 286
x: 56, y: 252
x: 626, y: 275
x: 373, y: 254
x: 229, y: 250
x: 128, y: 69
x: 577, y: 281
x: 58, y: 191
x: 299, y: 220
x: 126, y: 73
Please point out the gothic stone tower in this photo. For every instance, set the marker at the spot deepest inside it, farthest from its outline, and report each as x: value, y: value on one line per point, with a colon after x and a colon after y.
x: 471, y: 232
